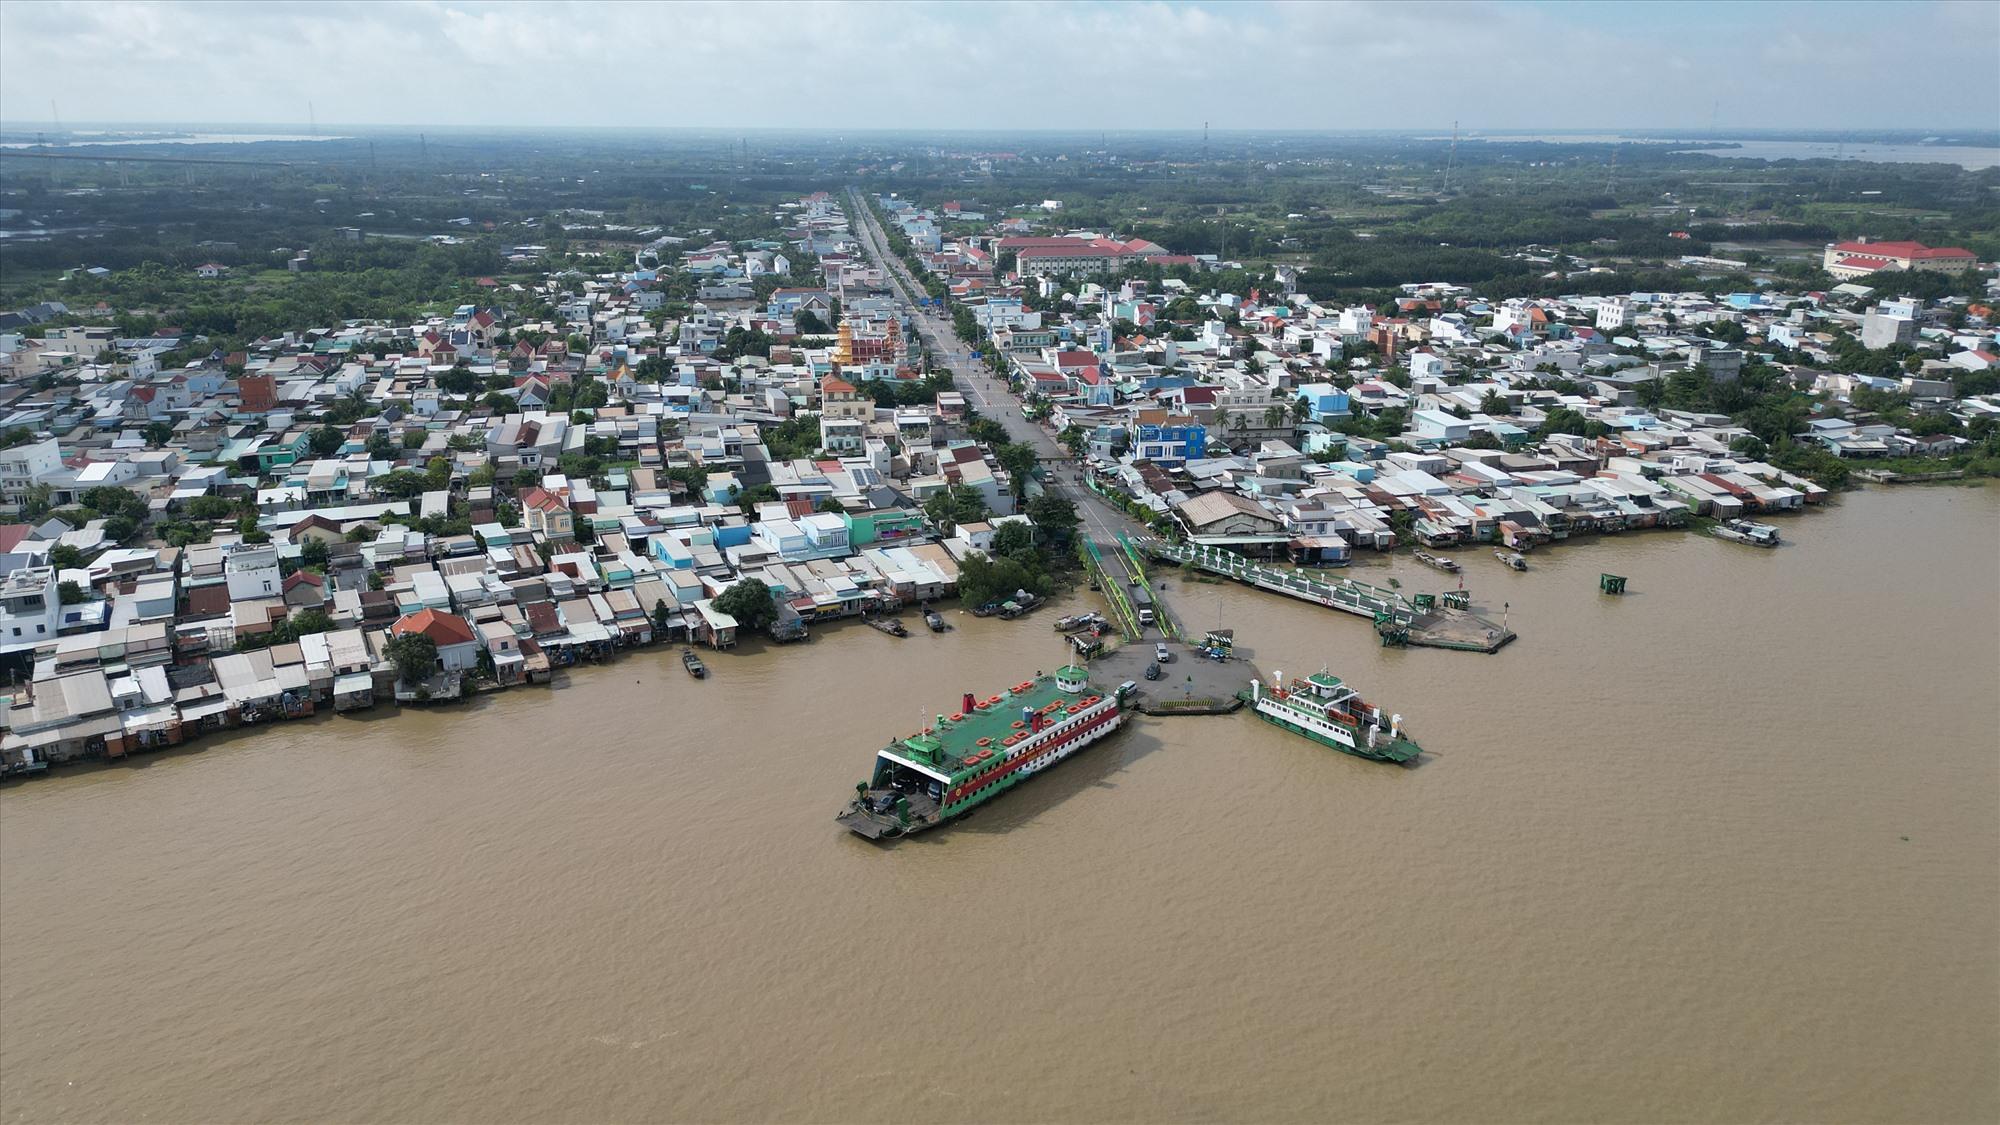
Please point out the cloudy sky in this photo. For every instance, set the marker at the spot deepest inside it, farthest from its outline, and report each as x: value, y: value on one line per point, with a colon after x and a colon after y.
x: 1338, y: 64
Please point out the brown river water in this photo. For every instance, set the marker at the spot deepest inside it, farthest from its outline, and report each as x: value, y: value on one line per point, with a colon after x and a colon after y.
x: 1724, y: 849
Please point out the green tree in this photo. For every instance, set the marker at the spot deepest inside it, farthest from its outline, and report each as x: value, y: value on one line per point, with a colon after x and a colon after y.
x: 312, y: 620
x: 749, y: 602
x: 313, y: 554
x: 71, y: 593
x: 158, y: 434
x: 460, y: 380
x: 414, y: 655
x: 1053, y: 515
x: 325, y: 441
x: 982, y: 579
x: 748, y: 499
x: 1012, y: 540
x: 110, y: 500
x: 1751, y: 446
x: 663, y: 619
x: 955, y: 505
x: 1019, y: 461
x: 65, y: 557
x: 1075, y: 440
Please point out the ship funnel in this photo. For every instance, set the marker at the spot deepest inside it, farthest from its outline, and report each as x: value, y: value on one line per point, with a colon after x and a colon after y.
x: 970, y: 704
x: 1396, y: 725
x: 1278, y: 680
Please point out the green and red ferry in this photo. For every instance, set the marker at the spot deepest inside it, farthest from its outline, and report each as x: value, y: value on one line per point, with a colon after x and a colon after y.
x: 986, y: 747
x: 1330, y: 713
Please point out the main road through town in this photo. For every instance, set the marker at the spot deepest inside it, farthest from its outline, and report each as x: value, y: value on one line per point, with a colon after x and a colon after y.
x: 985, y: 391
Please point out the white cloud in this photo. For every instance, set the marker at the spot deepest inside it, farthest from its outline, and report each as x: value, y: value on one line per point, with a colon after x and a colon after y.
x: 847, y: 64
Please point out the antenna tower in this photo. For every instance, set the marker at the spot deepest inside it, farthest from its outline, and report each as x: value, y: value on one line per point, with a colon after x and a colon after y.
x: 1451, y: 158
x: 1204, y: 142
x: 1611, y: 171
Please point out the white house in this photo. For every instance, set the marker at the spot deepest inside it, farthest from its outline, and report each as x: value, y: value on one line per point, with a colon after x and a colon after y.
x: 252, y: 571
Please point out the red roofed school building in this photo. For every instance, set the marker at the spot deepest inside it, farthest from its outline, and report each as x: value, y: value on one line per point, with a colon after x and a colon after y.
x: 1855, y: 259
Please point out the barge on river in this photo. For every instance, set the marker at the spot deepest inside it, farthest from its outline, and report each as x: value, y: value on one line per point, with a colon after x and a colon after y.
x: 984, y: 749
x: 1330, y: 713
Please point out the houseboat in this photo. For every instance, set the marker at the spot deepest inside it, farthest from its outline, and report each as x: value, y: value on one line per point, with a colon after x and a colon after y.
x: 889, y: 625
x: 1330, y: 713
x: 1746, y: 531
x: 1077, y: 621
x: 1438, y: 562
x: 980, y: 751
x: 1514, y: 559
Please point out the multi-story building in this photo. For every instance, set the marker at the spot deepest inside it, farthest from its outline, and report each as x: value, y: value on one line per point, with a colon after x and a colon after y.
x: 1855, y: 259
x: 843, y: 416
x: 29, y: 608
x: 251, y: 571
x: 23, y: 465
x: 1883, y: 328
x: 1038, y: 256
x: 1169, y: 439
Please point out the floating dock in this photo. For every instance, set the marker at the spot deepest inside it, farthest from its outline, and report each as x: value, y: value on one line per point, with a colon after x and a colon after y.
x: 1426, y: 621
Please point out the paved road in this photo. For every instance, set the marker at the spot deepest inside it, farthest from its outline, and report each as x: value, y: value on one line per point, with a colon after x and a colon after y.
x: 983, y: 389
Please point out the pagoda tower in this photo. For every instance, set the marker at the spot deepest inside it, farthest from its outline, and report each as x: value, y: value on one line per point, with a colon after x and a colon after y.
x: 843, y: 348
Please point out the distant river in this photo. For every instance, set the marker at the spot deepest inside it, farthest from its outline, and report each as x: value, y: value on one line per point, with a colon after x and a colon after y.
x: 1965, y: 156
x: 1719, y: 850
x: 83, y: 140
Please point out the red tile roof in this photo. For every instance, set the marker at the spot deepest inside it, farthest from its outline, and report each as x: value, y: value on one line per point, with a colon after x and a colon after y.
x: 441, y: 628
x: 542, y: 500
x: 11, y: 535
x: 1913, y: 250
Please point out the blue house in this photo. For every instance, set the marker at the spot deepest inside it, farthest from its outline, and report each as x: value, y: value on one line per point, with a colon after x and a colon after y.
x: 1171, y: 440
x: 1325, y: 401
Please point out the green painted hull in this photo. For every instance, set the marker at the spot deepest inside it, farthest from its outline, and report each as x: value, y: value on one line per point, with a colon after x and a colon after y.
x: 1398, y: 751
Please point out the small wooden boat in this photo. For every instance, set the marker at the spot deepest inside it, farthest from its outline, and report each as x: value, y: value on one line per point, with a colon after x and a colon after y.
x: 888, y: 625
x: 935, y: 621
x: 1514, y: 559
x: 1438, y: 561
x: 693, y: 664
